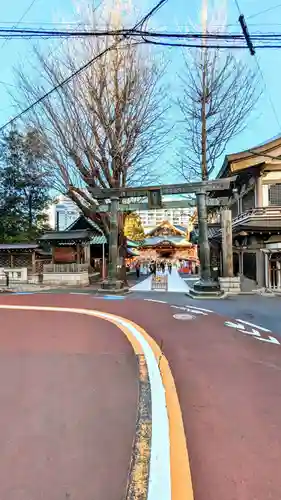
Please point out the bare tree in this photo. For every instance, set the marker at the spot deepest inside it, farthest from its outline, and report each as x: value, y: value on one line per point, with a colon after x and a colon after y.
x: 107, y: 126
x: 219, y: 92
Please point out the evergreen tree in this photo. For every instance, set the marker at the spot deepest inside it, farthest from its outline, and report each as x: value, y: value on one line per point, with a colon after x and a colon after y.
x: 24, y: 187
x: 133, y: 228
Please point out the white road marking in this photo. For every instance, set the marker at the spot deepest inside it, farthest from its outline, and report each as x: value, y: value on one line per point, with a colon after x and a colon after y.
x: 79, y: 293
x: 234, y: 325
x: 160, y: 467
x: 159, y: 301
x: 255, y: 326
x: 254, y: 332
x: 200, y: 308
x: 183, y: 317
x: 190, y: 309
x: 271, y: 340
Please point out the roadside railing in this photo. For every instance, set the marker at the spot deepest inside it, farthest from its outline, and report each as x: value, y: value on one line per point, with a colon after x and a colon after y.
x: 260, y: 212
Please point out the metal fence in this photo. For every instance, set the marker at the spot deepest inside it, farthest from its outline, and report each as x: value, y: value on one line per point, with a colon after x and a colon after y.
x: 159, y: 283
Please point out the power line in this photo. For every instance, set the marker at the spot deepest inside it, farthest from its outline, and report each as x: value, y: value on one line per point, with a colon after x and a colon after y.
x: 261, y: 73
x: 264, y: 11
x: 59, y: 85
x: 20, y: 20
x: 82, y: 68
x: 268, y: 94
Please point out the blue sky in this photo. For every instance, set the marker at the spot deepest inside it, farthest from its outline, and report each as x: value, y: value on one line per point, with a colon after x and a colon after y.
x: 262, y: 125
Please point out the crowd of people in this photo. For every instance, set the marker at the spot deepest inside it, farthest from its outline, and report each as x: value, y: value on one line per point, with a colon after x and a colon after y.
x: 153, y: 267
x: 163, y: 266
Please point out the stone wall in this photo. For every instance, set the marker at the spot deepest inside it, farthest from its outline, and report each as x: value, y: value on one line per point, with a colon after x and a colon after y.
x: 230, y: 285
x: 58, y: 279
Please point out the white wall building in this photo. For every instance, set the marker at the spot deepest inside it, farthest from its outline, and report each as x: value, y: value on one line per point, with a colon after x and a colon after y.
x: 63, y: 213
x: 176, y: 216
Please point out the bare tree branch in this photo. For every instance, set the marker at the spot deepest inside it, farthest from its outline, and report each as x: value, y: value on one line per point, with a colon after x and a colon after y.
x: 106, y: 127
x: 229, y: 92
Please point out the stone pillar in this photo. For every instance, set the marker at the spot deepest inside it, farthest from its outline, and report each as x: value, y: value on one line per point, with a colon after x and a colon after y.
x: 87, y: 253
x: 266, y: 270
x: 33, y: 257
x: 206, y: 285
x: 259, y: 202
x: 227, y: 253
x: 205, y: 269
x: 278, y: 274
x: 260, y: 258
x: 113, y: 240
x: 78, y: 250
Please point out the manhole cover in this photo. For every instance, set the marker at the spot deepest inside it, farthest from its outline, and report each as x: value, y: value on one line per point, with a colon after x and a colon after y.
x: 183, y: 317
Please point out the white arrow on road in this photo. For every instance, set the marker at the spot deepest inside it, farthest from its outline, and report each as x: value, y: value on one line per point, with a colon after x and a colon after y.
x: 254, y: 332
x: 238, y: 326
x: 271, y: 340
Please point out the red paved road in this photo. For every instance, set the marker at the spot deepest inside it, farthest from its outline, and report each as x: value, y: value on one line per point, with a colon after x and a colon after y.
x: 229, y: 386
x: 68, y: 399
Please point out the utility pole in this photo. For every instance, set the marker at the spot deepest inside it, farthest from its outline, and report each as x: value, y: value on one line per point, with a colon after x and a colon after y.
x: 246, y: 34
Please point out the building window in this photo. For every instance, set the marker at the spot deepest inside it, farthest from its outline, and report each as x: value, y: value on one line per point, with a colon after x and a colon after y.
x: 274, y: 194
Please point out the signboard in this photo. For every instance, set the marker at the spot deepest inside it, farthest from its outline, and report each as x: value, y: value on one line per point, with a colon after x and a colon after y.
x: 64, y: 255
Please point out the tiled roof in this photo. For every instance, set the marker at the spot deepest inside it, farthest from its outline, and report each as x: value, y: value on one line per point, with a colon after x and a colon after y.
x: 157, y: 240
x: 18, y: 246
x: 212, y: 231
x: 99, y: 239
x: 80, y: 234
x: 133, y: 253
x: 180, y: 228
x: 133, y: 244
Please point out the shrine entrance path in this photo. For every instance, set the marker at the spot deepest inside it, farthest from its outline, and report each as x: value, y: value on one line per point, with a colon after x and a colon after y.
x: 175, y: 284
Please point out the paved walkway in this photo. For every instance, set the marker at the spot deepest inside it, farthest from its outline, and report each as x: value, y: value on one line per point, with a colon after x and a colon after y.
x: 175, y: 284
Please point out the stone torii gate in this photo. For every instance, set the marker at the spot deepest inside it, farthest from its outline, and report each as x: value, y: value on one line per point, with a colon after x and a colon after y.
x: 154, y: 195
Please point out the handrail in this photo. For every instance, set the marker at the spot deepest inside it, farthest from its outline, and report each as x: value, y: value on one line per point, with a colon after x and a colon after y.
x: 269, y: 211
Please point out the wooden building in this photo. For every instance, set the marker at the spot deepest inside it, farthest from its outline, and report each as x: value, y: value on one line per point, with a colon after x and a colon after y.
x: 170, y: 242
x: 256, y: 214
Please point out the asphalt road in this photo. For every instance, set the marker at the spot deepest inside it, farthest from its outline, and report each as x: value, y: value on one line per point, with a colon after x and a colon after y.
x: 65, y: 383
x: 262, y: 311
x: 65, y: 375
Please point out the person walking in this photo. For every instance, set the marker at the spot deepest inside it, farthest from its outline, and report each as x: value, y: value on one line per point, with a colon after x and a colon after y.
x: 138, y: 269
x: 170, y: 267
